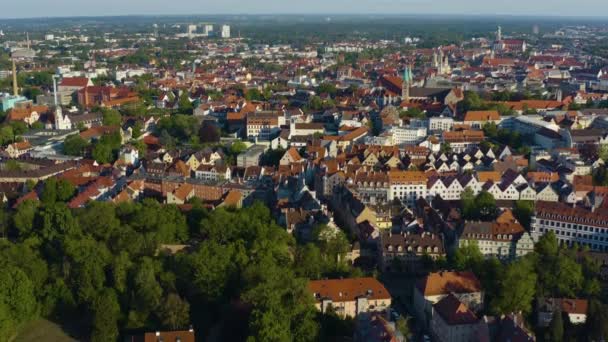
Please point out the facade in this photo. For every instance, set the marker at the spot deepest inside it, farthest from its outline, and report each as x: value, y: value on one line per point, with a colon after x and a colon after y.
x: 572, y: 224
x: 502, y: 240
x: 460, y: 141
x: 407, y: 186
x: 350, y: 297
x: 453, y: 321
x: 9, y: 101
x: 436, y: 286
x: 263, y: 126
x: 225, y: 33
x: 478, y: 118
x: 69, y: 86
x: 408, y: 248
x: 408, y: 136
x: 251, y: 157
x: 440, y: 124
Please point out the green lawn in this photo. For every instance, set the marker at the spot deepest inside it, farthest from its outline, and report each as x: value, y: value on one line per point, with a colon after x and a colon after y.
x: 43, y: 330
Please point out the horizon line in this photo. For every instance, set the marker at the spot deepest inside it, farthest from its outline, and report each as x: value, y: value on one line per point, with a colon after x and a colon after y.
x: 320, y: 14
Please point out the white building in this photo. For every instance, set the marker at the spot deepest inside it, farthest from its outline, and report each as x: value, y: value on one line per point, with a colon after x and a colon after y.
x: 571, y: 225
x: 225, y: 33
x: 408, y: 136
x: 407, y: 186
x: 440, y: 124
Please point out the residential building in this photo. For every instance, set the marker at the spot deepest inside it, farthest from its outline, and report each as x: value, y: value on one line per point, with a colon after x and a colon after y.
x: 436, y: 286
x: 165, y: 336
x: 408, y: 248
x: 453, y: 321
x: 478, y: 118
x: 504, y: 238
x: 407, y: 186
x: 571, y: 224
x: 576, y: 309
x: 263, y: 126
x: 460, y: 141
x: 440, y: 124
x: 408, y: 136
x: 351, y: 296
x: 251, y: 157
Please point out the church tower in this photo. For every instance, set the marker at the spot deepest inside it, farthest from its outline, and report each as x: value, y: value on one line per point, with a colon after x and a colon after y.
x: 499, y: 34
x: 62, y: 121
x: 407, y: 83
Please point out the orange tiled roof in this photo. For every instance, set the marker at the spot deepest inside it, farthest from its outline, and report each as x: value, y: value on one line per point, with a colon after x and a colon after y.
x: 407, y: 177
x: 485, y: 176
x: 441, y: 283
x: 347, y: 290
x: 482, y: 115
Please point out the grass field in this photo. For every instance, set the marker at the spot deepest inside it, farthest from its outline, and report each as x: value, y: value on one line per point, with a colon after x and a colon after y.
x: 43, y: 330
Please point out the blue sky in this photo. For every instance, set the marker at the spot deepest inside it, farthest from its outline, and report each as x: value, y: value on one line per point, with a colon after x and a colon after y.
x: 54, y: 8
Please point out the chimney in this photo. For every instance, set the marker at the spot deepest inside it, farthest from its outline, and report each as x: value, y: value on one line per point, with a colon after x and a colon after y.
x: 15, y: 86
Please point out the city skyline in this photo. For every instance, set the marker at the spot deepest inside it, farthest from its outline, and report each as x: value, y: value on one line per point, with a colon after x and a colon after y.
x: 71, y: 8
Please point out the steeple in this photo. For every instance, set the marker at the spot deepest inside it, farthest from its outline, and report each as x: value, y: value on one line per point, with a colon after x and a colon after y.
x: 407, y: 83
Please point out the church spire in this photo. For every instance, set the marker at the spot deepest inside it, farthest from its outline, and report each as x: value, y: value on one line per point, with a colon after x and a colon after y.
x: 407, y: 83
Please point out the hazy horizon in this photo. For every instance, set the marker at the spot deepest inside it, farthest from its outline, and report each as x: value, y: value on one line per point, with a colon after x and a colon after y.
x: 75, y: 8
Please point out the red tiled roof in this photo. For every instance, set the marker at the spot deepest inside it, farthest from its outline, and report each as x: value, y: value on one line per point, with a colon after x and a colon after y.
x: 74, y: 82
x: 454, y: 312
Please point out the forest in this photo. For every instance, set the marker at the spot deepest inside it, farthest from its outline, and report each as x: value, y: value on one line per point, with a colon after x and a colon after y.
x: 102, y: 273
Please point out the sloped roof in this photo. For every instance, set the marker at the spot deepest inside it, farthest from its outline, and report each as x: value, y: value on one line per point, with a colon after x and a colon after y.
x: 441, y: 283
x: 346, y: 290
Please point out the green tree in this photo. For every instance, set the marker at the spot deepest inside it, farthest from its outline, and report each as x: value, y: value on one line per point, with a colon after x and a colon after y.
x: 596, y: 325
x: 467, y: 202
x: 23, y: 219
x: 74, y: 145
x: 148, y: 292
x: 237, y: 147
x: 254, y: 95
x: 468, y: 257
x: 517, y: 287
x: 486, y: 206
x: 445, y: 148
x: 174, y: 312
x: 327, y: 88
x: 111, y: 117
x: 17, y: 300
x: 65, y: 190
x: 184, y: 104
x: 403, y: 326
x: 103, y: 153
x: 555, y: 331
x: 523, y: 212
x: 106, y: 313
x: 309, y: 261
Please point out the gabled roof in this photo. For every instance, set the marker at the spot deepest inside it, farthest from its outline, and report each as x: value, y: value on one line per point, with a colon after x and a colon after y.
x: 441, y: 283
x: 454, y: 312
